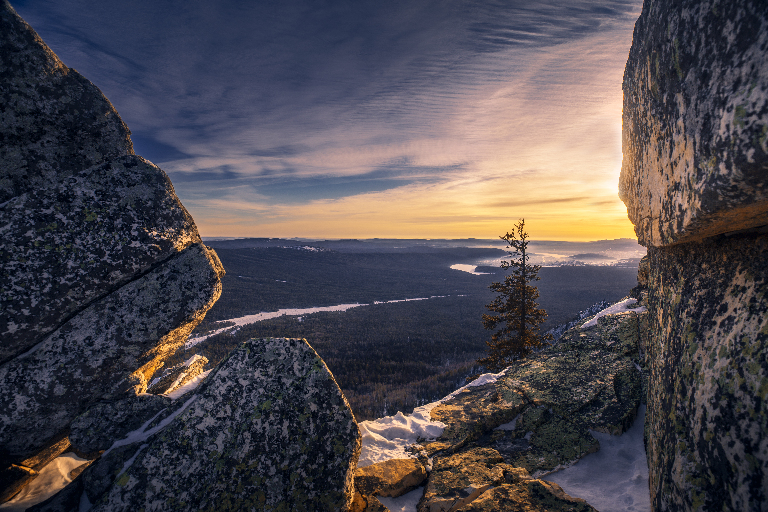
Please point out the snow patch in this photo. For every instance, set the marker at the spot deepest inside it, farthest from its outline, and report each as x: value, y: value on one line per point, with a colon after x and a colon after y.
x: 405, y: 503
x: 189, y: 386
x: 615, y: 478
x: 619, y: 307
x: 52, y: 478
x: 142, y: 433
x: 388, y: 437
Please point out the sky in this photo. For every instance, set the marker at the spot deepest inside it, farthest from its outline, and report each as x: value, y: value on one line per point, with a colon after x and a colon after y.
x: 362, y: 119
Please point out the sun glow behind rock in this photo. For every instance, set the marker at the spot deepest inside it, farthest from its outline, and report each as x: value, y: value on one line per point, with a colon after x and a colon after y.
x: 404, y: 121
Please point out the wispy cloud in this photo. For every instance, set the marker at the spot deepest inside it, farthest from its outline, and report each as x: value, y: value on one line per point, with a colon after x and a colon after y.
x: 363, y: 118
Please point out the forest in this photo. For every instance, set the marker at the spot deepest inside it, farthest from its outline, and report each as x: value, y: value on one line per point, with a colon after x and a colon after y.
x: 386, y: 357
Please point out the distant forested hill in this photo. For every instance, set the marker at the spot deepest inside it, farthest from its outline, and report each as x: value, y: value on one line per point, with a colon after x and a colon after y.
x: 386, y: 357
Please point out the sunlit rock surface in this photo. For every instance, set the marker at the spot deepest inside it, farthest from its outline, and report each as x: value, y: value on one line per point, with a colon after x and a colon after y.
x: 269, y: 429
x: 695, y: 181
x: 535, y: 419
x: 695, y: 138
x: 390, y: 478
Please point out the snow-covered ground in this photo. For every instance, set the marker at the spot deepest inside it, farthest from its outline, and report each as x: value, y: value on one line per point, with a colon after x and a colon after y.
x: 260, y: 317
x: 615, y: 478
x: 388, y: 437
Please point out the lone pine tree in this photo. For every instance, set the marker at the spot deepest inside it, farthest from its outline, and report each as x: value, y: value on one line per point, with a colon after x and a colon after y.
x: 515, y: 308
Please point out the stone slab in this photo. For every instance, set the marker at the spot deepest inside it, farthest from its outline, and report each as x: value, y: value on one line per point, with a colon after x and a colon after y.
x: 105, y: 352
x: 695, y: 125
x: 269, y: 429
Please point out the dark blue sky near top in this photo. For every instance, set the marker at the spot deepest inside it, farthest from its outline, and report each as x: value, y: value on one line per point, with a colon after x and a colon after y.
x: 274, y: 107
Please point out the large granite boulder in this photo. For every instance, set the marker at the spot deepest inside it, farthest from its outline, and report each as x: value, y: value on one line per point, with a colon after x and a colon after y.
x: 501, y: 437
x: 269, y: 429
x: 695, y: 137
x: 695, y: 181
x: 707, y: 413
x: 103, y: 270
x: 102, y: 353
x: 80, y: 214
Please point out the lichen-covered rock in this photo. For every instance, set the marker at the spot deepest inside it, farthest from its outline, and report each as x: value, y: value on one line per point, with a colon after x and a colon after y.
x: 106, y: 422
x: 707, y: 418
x: 528, y: 496
x: 177, y: 376
x: 269, y: 429
x: 458, y: 479
x: 105, y: 352
x: 695, y: 136
x: 535, y: 419
x: 81, y: 214
x: 390, y: 478
x: 548, y: 402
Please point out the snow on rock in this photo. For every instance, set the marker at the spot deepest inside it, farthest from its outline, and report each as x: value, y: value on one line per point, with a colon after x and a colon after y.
x: 619, y: 307
x: 405, y: 503
x: 388, y: 437
x: 96, y: 430
x: 188, y: 386
x: 269, y: 427
x: 615, y: 478
x: 52, y: 478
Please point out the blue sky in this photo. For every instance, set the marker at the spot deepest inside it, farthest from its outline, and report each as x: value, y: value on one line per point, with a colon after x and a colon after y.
x: 366, y: 118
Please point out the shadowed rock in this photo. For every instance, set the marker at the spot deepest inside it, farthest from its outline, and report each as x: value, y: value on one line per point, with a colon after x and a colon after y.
x: 80, y: 214
x: 695, y: 182
x: 103, y: 271
x: 101, y: 353
x: 104, y: 423
x: 269, y: 429
x: 708, y: 390
x: 695, y: 138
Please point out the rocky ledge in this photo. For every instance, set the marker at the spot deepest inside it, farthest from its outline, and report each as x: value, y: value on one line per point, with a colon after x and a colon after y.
x: 502, y: 438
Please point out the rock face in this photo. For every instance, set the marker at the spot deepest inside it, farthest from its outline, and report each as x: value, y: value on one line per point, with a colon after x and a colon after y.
x: 695, y: 181
x: 708, y: 392
x: 535, y: 419
x: 269, y: 429
x: 390, y: 478
x: 103, y: 350
x: 102, y: 424
x: 103, y: 270
x: 695, y: 137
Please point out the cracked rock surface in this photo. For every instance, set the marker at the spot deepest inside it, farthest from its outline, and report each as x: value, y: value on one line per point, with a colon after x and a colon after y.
x: 503, y: 438
x: 103, y: 273
x: 269, y: 429
x: 695, y: 122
